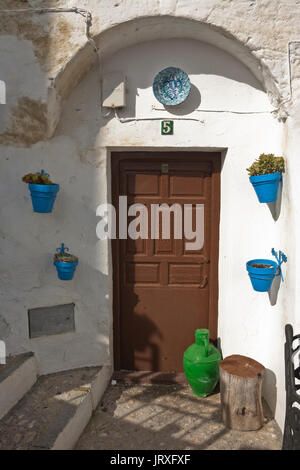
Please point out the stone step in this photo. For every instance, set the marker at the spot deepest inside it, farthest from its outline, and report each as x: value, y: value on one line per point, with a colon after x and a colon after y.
x: 55, y: 411
x: 17, y: 376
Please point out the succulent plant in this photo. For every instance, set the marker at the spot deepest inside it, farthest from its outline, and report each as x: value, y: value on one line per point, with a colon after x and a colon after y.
x: 265, y: 164
x: 37, y: 178
x: 64, y: 257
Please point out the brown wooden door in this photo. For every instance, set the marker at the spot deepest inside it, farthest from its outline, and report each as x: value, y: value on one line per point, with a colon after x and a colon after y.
x: 162, y: 291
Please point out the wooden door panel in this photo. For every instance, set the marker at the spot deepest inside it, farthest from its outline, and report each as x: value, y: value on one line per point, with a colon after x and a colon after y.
x: 142, y: 273
x: 162, y: 291
x: 142, y: 184
x: 159, y: 327
x: 187, y: 184
x: 183, y: 273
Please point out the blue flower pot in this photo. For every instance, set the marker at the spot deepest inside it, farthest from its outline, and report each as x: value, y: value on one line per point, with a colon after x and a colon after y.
x: 65, y: 270
x: 43, y: 196
x: 262, y: 278
x: 266, y: 186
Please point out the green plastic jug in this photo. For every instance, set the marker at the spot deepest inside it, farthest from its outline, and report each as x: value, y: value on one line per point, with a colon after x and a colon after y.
x: 201, y: 364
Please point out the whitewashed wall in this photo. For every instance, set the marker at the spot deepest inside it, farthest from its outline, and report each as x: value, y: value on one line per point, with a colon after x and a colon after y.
x: 78, y: 158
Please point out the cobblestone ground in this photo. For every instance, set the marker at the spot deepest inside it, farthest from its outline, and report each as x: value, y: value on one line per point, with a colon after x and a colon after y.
x: 168, y: 417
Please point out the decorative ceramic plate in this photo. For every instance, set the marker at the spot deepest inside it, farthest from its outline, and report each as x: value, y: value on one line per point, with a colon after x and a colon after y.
x: 171, y: 86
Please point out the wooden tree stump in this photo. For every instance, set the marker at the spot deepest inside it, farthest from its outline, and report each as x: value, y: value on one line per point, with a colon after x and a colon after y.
x: 240, y: 385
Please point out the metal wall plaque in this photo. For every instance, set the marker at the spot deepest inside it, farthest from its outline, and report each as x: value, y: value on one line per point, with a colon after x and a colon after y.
x: 167, y: 127
x: 45, y: 321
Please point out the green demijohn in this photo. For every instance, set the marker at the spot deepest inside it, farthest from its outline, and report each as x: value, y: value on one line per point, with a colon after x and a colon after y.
x: 201, y: 364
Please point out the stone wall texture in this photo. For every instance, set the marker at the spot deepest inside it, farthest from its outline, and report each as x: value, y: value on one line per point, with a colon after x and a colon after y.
x: 61, y: 49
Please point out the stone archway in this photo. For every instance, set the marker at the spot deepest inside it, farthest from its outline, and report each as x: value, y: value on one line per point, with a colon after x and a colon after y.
x: 145, y: 29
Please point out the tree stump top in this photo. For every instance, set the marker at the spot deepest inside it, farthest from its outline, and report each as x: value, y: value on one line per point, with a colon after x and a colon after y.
x: 242, y: 366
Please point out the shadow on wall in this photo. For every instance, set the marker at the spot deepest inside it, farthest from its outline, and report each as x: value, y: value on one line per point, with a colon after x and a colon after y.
x: 275, y: 207
x: 192, y: 102
x: 139, y: 336
x: 219, y: 346
x: 269, y: 390
x: 273, y: 292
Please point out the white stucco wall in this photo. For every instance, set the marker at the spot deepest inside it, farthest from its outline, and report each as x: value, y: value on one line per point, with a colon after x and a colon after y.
x: 77, y: 157
x: 247, y: 320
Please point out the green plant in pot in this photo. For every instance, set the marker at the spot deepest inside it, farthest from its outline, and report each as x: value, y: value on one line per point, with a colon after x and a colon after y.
x: 42, y: 190
x: 265, y: 175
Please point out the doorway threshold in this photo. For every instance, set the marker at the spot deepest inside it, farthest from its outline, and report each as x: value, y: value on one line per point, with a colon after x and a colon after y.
x: 149, y: 377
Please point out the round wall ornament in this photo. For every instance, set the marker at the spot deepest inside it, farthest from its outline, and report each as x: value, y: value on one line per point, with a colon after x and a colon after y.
x: 171, y: 86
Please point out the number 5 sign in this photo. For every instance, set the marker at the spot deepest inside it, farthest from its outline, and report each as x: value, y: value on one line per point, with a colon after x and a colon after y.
x: 167, y: 127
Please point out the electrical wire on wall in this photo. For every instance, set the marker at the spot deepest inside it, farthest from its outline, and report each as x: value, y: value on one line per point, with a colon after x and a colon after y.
x: 124, y: 120
x: 85, y: 13
x: 222, y: 111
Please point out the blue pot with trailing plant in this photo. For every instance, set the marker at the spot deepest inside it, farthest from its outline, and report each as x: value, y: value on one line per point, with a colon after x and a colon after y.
x: 65, y: 263
x: 42, y: 190
x: 263, y: 271
x: 265, y: 176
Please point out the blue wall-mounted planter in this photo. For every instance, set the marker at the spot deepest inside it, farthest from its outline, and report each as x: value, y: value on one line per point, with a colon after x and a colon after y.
x: 266, y: 186
x: 65, y: 270
x: 262, y: 278
x: 43, y: 196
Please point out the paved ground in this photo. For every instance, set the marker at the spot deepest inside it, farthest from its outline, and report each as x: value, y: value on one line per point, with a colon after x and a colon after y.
x: 167, y: 417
